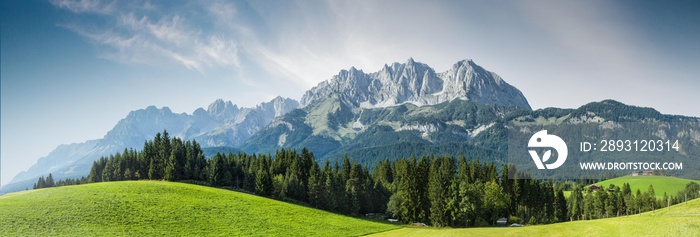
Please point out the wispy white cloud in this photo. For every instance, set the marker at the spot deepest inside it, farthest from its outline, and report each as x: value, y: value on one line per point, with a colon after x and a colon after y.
x: 85, y: 6
x: 307, y: 43
x: 301, y: 43
x: 218, y: 51
x: 141, y: 34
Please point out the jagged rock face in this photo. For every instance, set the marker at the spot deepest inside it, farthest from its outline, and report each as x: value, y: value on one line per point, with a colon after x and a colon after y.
x: 243, y: 124
x: 278, y: 106
x: 221, y: 110
x: 417, y: 83
x: 222, y: 124
x: 225, y: 124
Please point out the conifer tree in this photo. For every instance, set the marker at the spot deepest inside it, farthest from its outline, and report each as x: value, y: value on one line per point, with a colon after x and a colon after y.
x: 561, y: 211
x: 95, y: 172
x: 154, y: 167
x: 330, y: 187
x: 41, y: 183
x: 316, y: 187
x: 440, y: 180
x: 422, y: 170
x: 263, y: 182
x: 49, y: 181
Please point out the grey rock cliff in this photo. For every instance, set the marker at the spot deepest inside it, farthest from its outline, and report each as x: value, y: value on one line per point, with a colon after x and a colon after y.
x: 417, y: 83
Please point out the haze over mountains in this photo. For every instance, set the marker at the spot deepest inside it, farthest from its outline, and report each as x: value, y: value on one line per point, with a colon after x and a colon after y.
x: 221, y: 124
x: 402, y: 110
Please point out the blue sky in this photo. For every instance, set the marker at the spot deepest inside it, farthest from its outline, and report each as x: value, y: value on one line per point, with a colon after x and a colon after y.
x: 72, y: 69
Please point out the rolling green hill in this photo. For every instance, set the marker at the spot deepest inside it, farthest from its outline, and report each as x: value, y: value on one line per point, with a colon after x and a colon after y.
x: 136, y: 208
x: 680, y: 220
x: 670, y: 185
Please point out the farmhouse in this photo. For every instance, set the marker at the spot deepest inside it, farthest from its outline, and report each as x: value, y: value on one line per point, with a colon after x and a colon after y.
x: 375, y: 216
x: 643, y: 173
x: 502, y: 222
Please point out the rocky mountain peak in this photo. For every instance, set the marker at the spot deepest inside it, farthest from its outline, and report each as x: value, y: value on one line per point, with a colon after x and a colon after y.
x: 410, y: 61
x: 278, y: 106
x: 417, y: 83
x: 222, y: 110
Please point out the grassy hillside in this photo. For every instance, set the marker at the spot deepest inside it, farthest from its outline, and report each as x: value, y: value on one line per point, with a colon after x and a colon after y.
x: 135, y: 208
x: 681, y: 220
x: 670, y: 185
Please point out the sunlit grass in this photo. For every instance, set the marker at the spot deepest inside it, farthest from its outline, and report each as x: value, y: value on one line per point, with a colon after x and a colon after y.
x: 661, y: 184
x: 680, y: 220
x: 137, y: 208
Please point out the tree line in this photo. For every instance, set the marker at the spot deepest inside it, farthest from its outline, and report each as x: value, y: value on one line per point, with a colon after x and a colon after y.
x: 291, y: 176
x: 440, y: 191
x: 614, y: 201
x: 444, y: 191
x: 50, y: 182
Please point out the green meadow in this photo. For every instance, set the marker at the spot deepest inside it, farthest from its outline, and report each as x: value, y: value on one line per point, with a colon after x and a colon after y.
x: 680, y: 220
x: 137, y: 208
x: 661, y: 184
x: 669, y: 185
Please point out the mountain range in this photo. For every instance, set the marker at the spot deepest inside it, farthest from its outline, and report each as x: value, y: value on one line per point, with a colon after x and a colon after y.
x: 416, y: 83
x: 402, y: 110
x: 221, y: 125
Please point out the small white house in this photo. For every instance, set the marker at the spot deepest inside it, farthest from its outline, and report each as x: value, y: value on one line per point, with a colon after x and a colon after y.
x: 502, y: 222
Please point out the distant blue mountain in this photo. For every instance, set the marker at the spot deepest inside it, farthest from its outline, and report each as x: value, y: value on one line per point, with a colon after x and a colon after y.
x: 222, y: 124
